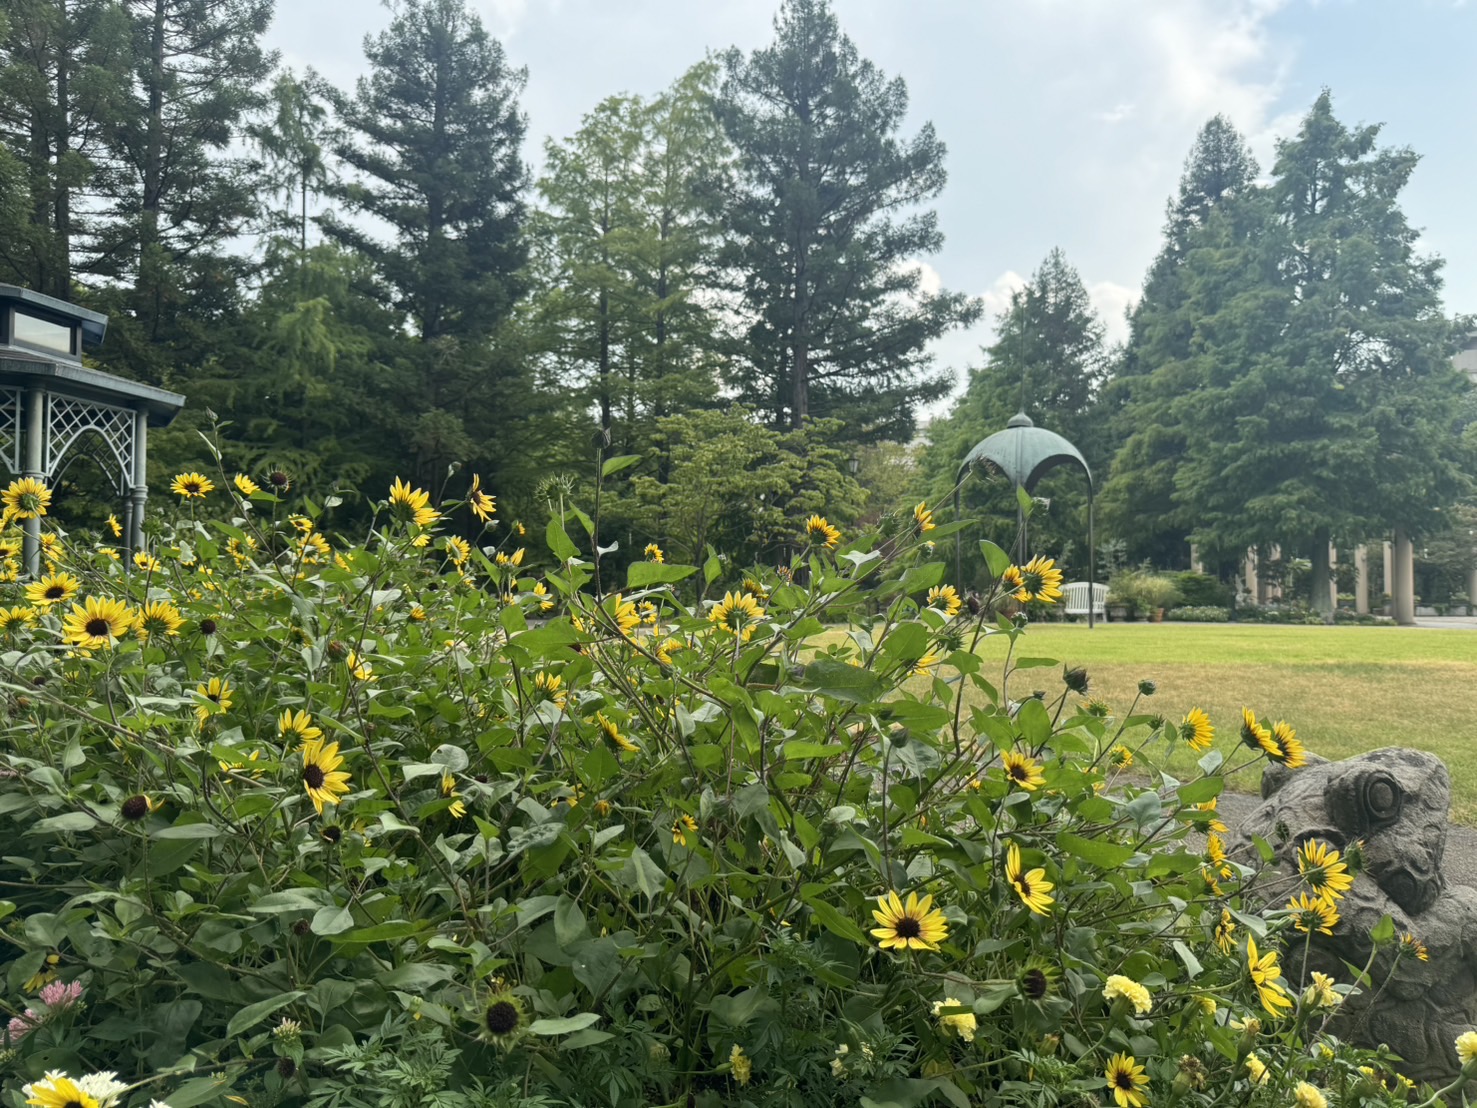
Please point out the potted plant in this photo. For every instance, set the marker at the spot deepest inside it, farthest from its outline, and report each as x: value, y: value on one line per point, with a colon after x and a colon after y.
x: 1156, y: 593
x: 1123, y: 595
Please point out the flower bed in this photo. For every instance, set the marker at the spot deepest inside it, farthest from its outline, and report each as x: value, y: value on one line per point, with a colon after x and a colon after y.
x: 292, y: 820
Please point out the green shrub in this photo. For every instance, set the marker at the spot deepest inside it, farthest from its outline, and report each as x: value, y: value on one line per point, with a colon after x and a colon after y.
x: 1199, y: 615
x: 1201, y: 590
x: 296, y: 820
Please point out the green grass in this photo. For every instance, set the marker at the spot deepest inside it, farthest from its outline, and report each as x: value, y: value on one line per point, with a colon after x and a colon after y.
x: 1345, y: 689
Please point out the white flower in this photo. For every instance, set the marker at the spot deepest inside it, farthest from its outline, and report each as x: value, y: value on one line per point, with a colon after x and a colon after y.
x: 104, y: 1087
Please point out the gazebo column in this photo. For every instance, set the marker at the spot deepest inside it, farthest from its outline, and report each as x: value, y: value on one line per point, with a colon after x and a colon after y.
x: 34, y: 466
x: 1361, y: 579
x: 140, y: 491
x: 1403, y: 594
x: 1390, y: 574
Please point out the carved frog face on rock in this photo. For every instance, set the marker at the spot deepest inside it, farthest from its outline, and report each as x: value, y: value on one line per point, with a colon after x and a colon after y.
x: 1395, y: 801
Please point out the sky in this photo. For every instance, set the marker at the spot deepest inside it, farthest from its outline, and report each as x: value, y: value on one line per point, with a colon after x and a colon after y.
x: 1067, y: 122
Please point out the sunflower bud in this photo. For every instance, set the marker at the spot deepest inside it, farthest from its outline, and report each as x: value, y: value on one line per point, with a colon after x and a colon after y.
x: 135, y: 808
x: 300, y: 927
x: 208, y: 627
x: 337, y: 650
x: 973, y: 603
x: 1076, y: 679
x: 1147, y: 688
x: 286, y: 1067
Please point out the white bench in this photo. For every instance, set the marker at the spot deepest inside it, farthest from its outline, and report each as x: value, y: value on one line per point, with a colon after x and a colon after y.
x: 1075, y: 594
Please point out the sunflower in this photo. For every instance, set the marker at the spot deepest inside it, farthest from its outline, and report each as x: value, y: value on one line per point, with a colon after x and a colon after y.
x: 550, y: 687
x: 1410, y: 944
x: 1196, y: 730
x: 1032, y: 886
x: 54, y: 588
x: 359, y: 666
x: 26, y: 498
x: 299, y: 724
x: 218, y: 691
x: 737, y: 613
x: 114, y: 526
x: 915, y: 925
x: 483, y: 504
x: 1323, y: 870
x: 1313, y: 913
x: 1038, y: 579
x: 1120, y: 756
x: 405, y: 502
x: 245, y: 485
x: 513, y: 559
x: 945, y: 598
x: 1205, y: 818
x: 457, y: 549
x: 97, y: 621
x: 623, y: 611
x: 1264, y: 972
x: 1215, y: 855
x: 191, y: 486
x: 280, y: 480
x: 323, y: 781
x: 541, y: 591
x: 683, y: 826
x: 1022, y: 770
x: 57, y: 1090
x: 158, y: 617
x: 145, y: 561
x: 821, y: 533
x: 922, y: 518
x: 13, y: 619
x: 502, y: 1018
x: 1294, y: 756
x: 1126, y: 1078
x: 653, y: 553
x: 611, y: 733
x: 1254, y: 735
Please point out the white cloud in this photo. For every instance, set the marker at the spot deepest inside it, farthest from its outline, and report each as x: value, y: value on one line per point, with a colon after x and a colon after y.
x: 1112, y: 301
x: 1117, y: 113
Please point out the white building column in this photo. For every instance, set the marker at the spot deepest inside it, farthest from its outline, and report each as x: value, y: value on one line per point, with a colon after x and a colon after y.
x: 1361, y: 579
x: 1404, y: 592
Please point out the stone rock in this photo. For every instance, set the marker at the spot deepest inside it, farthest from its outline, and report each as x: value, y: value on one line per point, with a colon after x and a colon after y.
x: 1396, y: 803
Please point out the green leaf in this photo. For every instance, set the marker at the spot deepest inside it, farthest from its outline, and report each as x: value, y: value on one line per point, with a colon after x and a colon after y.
x: 70, y: 821
x: 1023, y: 498
x: 996, y: 560
x: 559, y: 542
x: 1192, y: 964
x: 641, y: 575
x: 830, y: 917
x: 908, y: 1092
x: 1035, y: 663
x: 712, y: 568
x: 329, y: 920
x: 189, y: 831
x: 253, y: 1014
x: 1198, y: 792
x: 842, y: 681
x: 1382, y: 932
x: 1096, y: 852
x: 564, y: 1025
x: 588, y: 1037
x: 1035, y: 722
x: 619, y: 462
x: 198, y: 1091
x: 290, y: 900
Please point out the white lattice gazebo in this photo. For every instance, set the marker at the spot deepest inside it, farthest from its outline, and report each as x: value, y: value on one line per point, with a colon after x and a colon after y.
x: 54, y: 410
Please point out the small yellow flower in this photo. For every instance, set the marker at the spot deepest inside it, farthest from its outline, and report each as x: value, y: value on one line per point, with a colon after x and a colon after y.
x: 1412, y: 945
x: 1466, y: 1047
x: 1121, y: 757
x: 611, y: 733
x: 145, y: 561
x: 1196, y: 730
x: 1256, y: 1069
x: 654, y: 553
x: 192, y: 486
x: 737, y: 613
x: 1323, y: 870
x: 245, y: 485
x: 945, y: 598
x: 1126, y: 1080
x: 1117, y: 985
x: 299, y: 724
x: 962, y: 1023
x: 922, y: 518
x: 1321, y: 993
x: 483, y: 504
x: 218, y: 691
x: 1265, y: 972
x: 115, y: 527
x: 513, y: 559
x: 741, y: 1065
x: 1308, y: 1096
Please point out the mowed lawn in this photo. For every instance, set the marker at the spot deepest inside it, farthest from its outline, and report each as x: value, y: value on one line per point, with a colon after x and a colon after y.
x: 1345, y: 689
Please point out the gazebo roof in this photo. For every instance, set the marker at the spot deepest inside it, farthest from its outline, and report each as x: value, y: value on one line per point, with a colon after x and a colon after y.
x: 1025, y: 452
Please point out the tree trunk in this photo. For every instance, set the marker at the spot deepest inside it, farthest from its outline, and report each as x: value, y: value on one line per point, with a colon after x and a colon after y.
x: 61, y: 276
x: 1320, y: 599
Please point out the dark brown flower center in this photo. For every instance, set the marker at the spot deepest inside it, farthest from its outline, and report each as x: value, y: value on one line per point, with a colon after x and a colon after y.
x: 313, y: 775
x: 502, y: 1017
x: 908, y: 928
x: 98, y: 627
x: 1122, y: 1079
x: 1017, y: 773
x: 1034, y: 983
x: 55, y: 592
x: 135, y: 808
x: 1023, y: 886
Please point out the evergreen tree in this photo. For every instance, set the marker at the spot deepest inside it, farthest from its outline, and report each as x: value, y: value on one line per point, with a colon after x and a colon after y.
x: 434, y: 140
x: 64, y: 74
x: 1150, y: 376
x: 625, y: 247
x: 1317, y: 398
x: 823, y: 222
x: 1048, y: 361
x: 294, y: 141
